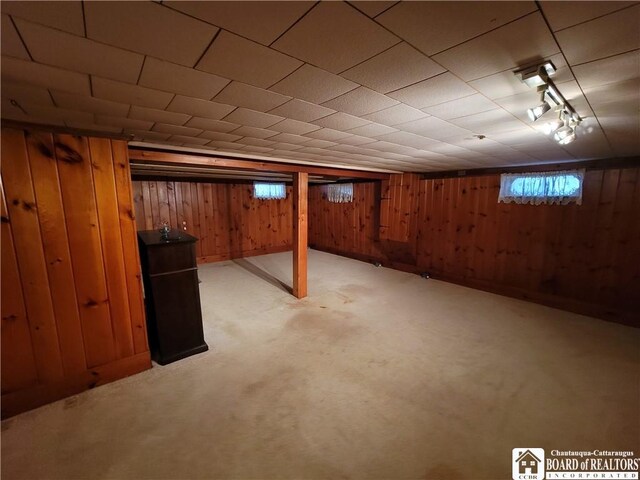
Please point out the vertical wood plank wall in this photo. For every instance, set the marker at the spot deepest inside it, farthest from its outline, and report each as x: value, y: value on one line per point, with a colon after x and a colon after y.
x: 226, y: 219
x: 579, y: 257
x: 72, y: 309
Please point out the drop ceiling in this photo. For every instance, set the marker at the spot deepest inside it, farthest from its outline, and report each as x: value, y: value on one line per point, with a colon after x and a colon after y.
x: 399, y: 86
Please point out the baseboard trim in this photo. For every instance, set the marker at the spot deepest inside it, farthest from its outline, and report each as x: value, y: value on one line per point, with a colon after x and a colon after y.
x: 30, y: 398
x: 245, y: 253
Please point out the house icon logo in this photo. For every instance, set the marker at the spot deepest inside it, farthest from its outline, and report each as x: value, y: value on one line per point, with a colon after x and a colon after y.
x: 527, y: 463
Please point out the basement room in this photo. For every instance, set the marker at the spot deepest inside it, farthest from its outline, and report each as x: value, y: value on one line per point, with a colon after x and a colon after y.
x: 320, y: 240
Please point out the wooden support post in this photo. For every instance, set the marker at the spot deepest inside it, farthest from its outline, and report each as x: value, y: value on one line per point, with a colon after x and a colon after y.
x: 300, y: 235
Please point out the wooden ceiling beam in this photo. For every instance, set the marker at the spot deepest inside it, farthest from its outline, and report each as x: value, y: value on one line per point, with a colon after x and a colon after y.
x: 161, y: 157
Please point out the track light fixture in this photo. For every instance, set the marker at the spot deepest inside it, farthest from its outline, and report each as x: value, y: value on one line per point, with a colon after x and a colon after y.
x: 564, y: 127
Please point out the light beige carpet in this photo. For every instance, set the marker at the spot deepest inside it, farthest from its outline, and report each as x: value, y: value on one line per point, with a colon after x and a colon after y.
x: 377, y: 374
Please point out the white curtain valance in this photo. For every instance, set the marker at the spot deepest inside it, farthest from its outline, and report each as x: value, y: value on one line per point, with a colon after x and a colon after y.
x: 269, y: 191
x: 542, y: 187
x: 339, y: 192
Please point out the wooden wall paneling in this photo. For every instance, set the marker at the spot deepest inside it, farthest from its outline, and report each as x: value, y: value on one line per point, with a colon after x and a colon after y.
x: 138, y: 204
x: 112, y: 251
x: 195, y: 222
x: 582, y: 251
x: 18, y: 361
x: 148, y: 212
x: 55, y: 245
x: 604, y: 235
x: 129, y: 245
x: 173, y: 209
x: 76, y: 181
x: 625, y: 259
x: 21, y: 204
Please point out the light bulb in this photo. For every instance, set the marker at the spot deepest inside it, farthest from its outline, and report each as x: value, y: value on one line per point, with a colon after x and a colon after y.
x: 550, y: 127
x: 536, y: 112
x: 564, y: 135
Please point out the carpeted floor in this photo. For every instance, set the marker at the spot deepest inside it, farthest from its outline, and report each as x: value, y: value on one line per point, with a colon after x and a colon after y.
x: 378, y: 374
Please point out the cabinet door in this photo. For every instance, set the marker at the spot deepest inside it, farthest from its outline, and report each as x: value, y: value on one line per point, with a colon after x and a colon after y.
x: 178, y: 317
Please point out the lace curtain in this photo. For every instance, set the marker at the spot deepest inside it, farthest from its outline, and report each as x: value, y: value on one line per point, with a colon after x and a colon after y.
x: 269, y: 191
x: 339, y: 192
x: 542, y: 187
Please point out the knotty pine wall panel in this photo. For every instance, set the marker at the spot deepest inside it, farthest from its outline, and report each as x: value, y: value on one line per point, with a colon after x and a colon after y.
x: 226, y: 219
x: 72, y: 311
x: 584, y: 258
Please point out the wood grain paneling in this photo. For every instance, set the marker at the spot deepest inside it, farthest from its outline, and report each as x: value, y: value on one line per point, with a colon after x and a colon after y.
x: 71, y: 294
x: 226, y: 219
x: 580, y: 257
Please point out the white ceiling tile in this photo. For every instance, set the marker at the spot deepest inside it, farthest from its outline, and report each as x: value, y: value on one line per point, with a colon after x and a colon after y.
x: 464, y: 106
x: 161, y: 116
x: 243, y: 95
x: 565, y: 14
x: 618, y: 68
x: 432, y: 127
x: 506, y: 47
x: 226, y: 137
x: 397, y: 114
x: 53, y: 115
x: 26, y: 95
x: 356, y: 140
x: 53, y: 47
x: 506, y: 83
x: 199, y: 108
x: 257, y: 142
x: 176, y: 130
x: 239, y: 59
x: 302, y: 111
x: 225, y: 146
x: 436, y: 90
x: 408, y: 139
x: 65, y: 16
x: 372, y: 130
x: 360, y: 101
x: 256, y: 149
x: 395, y: 68
x: 317, y: 143
x: 174, y: 78
x: 147, y: 135
x: 289, y: 138
x: 320, y: 37
x: 493, y: 121
x: 328, y: 134
x: 259, y: 21
x: 340, y: 121
x: 255, y: 132
x: 14, y: 70
x: 122, y: 27
x: 372, y: 8
x: 313, y: 84
x: 132, y: 94
x: 211, y: 125
x: 12, y: 46
x: 294, y: 126
x: 251, y: 118
x: 605, y: 36
x: 90, y: 104
x: 187, y: 140
x: 435, y: 26
x: 122, y: 122
x: 286, y: 146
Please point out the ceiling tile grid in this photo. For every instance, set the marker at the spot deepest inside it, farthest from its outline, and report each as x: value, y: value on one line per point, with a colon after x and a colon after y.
x: 406, y: 85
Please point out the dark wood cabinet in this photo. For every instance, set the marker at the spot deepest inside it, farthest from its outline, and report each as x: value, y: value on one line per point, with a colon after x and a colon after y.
x: 172, y: 297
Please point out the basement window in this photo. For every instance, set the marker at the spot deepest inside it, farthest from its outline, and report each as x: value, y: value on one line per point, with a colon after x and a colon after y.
x: 339, y: 192
x: 539, y: 188
x: 269, y: 191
